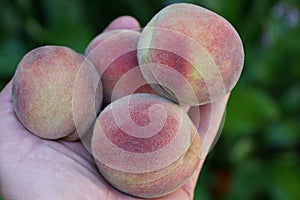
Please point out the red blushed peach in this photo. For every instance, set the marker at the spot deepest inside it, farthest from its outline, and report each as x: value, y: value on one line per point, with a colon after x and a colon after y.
x: 193, y: 53
x: 145, y: 145
x: 56, y: 92
x: 114, y: 56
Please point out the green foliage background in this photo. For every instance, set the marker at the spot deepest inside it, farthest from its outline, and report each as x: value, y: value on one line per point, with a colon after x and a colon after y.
x: 257, y: 155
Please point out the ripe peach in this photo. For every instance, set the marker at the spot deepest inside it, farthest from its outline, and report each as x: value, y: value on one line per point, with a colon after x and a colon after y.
x: 194, y: 54
x: 145, y: 145
x: 114, y: 56
x: 56, y: 92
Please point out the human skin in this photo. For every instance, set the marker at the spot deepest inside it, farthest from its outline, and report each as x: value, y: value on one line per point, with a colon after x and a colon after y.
x: 33, y: 168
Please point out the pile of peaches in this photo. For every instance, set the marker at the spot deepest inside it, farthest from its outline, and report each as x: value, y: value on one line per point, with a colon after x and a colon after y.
x: 127, y: 97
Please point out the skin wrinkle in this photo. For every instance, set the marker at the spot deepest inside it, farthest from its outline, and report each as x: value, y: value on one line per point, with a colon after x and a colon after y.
x: 55, y: 147
x: 73, y: 157
x: 86, y: 157
x: 26, y: 154
x: 82, y: 166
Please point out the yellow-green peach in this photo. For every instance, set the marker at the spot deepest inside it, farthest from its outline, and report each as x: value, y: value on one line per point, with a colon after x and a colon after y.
x: 56, y: 93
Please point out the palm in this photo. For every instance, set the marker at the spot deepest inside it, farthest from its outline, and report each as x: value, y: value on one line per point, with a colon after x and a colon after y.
x: 35, y: 168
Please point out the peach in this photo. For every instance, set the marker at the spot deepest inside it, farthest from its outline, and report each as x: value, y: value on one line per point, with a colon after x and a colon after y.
x: 114, y: 56
x: 56, y: 93
x: 195, y: 55
x: 145, y: 145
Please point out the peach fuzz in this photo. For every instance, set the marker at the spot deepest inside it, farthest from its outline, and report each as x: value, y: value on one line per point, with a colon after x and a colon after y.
x: 194, y: 54
x: 114, y: 56
x: 145, y: 145
x: 48, y: 89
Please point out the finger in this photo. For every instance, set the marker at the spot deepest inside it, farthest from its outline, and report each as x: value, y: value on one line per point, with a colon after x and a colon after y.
x: 207, y: 119
x: 190, y: 185
x: 123, y: 22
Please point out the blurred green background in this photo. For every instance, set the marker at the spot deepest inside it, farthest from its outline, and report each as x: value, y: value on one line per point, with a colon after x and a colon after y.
x: 257, y: 155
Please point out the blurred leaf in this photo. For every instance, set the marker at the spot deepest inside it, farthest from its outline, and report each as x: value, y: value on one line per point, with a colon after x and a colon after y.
x: 291, y: 99
x: 63, y: 13
x: 201, y: 192
x: 204, y: 181
x: 11, y: 53
x: 249, y: 109
x: 284, y: 177
x: 67, y: 28
x: 241, y: 150
x: 9, y: 21
x: 253, y: 19
x: 249, y: 180
x: 283, y: 135
x: 150, y: 8
x: 74, y: 37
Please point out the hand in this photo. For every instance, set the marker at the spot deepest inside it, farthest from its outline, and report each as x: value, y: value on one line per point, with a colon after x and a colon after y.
x: 34, y: 168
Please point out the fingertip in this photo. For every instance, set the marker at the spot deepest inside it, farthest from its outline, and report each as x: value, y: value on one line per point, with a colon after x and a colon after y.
x: 208, y: 119
x: 124, y: 22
